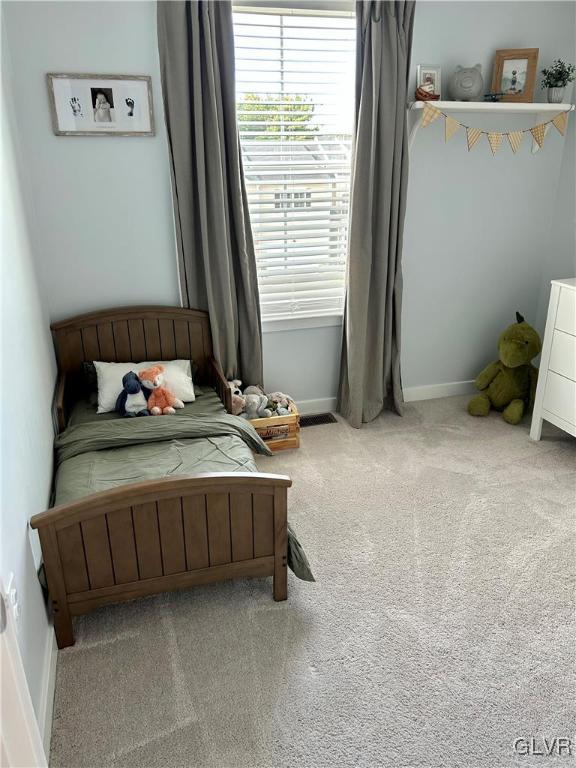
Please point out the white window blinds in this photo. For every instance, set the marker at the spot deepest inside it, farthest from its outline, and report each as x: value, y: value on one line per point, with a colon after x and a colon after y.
x: 295, y: 91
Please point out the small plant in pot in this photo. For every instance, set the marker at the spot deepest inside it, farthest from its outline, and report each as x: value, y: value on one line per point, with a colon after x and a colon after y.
x: 556, y: 78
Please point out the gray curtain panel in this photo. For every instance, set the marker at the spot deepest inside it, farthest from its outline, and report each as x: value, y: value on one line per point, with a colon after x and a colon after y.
x: 215, y: 247
x: 370, y: 368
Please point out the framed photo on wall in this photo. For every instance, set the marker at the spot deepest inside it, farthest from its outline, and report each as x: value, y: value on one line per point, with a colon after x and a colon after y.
x: 515, y: 73
x: 101, y: 105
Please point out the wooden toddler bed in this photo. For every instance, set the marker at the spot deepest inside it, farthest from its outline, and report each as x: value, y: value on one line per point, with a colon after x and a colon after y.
x: 162, y: 534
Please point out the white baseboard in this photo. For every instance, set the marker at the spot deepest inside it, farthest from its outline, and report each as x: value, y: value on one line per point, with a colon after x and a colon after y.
x: 432, y: 391
x: 47, y: 693
x: 322, y: 405
x: 411, y: 394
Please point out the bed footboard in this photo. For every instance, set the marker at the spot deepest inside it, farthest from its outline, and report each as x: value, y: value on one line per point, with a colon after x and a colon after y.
x: 162, y: 535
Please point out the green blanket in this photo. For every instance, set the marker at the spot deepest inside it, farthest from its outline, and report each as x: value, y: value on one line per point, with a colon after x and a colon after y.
x: 117, y: 433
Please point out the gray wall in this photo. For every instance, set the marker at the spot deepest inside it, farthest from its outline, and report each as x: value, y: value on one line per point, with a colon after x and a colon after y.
x: 27, y: 382
x: 483, y: 235
x: 104, y: 213
x: 303, y: 362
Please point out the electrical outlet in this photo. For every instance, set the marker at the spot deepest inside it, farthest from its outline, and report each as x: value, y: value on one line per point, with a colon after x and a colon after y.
x: 12, y: 598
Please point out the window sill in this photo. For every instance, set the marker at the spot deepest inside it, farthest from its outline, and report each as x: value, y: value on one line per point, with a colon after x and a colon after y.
x: 300, y: 323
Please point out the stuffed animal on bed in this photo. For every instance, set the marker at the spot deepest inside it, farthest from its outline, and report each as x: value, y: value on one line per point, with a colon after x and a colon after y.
x: 238, y: 401
x: 254, y: 390
x: 236, y: 386
x: 256, y: 407
x: 279, y: 403
x: 161, y: 400
x: 132, y: 400
x: 509, y: 383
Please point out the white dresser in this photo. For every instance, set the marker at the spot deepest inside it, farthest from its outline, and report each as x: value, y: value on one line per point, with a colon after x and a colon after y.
x: 556, y: 392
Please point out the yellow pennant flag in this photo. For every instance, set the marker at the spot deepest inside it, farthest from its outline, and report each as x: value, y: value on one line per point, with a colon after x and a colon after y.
x: 538, y: 132
x: 515, y: 139
x: 429, y: 114
x: 560, y: 122
x: 495, y: 139
x: 450, y: 128
x: 472, y: 136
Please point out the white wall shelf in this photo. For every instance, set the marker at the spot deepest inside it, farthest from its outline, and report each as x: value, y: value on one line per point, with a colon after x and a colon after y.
x: 541, y: 112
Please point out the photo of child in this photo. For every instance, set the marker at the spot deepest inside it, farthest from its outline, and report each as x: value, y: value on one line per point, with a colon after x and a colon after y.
x: 102, y: 104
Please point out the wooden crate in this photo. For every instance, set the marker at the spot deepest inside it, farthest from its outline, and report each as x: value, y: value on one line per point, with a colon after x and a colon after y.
x: 279, y: 432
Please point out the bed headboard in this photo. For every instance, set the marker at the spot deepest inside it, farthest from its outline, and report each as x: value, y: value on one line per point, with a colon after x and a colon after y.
x: 133, y: 334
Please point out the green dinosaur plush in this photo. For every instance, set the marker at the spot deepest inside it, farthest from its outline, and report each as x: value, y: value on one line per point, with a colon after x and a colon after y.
x: 509, y: 384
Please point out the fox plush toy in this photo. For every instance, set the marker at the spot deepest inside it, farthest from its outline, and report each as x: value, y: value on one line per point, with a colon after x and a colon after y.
x: 161, y: 400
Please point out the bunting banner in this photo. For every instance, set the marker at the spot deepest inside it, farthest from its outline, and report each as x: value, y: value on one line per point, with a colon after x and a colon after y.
x: 560, y: 122
x: 450, y: 128
x: 495, y: 139
x: 472, y: 136
x: 430, y: 113
x: 539, y: 131
x: 515, y: 139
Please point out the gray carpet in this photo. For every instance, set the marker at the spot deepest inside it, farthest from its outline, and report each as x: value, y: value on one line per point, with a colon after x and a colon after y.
x: 440, y: 629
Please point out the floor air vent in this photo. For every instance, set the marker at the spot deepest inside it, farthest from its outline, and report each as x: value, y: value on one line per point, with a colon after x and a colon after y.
x: 317, y: 418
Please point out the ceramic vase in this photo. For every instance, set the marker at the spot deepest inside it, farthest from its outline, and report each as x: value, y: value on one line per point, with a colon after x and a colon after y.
x: 555, y: 95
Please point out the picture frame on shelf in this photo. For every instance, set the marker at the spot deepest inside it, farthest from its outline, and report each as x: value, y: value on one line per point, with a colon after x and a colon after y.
x: 101, y: 105
x: 428, y: 81
x: 514, y: 74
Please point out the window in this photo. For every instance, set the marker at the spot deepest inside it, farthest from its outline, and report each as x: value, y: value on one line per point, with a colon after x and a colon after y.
x: 292, y: 199
x: 295, y: 106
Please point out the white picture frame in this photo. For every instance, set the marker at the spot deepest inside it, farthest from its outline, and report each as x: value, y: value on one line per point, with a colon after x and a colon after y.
x: 429, y: 74
x: 101, y: 105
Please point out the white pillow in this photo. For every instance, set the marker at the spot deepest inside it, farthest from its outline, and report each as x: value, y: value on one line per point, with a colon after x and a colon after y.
x: 177, y: 373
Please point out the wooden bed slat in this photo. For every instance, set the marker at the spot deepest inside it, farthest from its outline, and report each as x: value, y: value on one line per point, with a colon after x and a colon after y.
x: 182, y: 340
x: 122, y: 546
x: 97, y: 549
x: 135, y: 334
x: 106, y: 341
x: 122, y: 341
x: 72, y: 557
x: 195, y: 531
x: 241, y: 526
x: 152, y: 337
x: 90, y: 342
x: 137, y: 341
x: 83, y: 603
x: 167, y: 341
x: 70, y: 350
x: 263, y: 514
x: 147, y: 540
x: 197, y: 347
x: 218, y: 518
x: 280, y: 546
x: 58, y: 597
x: 171, y: 536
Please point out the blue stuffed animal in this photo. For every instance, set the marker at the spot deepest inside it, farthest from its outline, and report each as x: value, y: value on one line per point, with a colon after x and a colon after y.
x: 132, y: 401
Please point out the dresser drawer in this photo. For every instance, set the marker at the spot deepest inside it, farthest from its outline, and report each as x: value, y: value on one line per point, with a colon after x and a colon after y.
x: 560, y: 397
x: 563, y: 354
x: 566, y: 314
